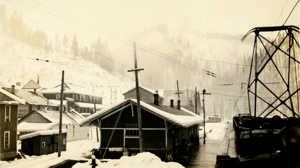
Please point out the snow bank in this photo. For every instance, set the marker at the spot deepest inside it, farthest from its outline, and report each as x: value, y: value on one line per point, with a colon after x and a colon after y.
x: 145, y: 159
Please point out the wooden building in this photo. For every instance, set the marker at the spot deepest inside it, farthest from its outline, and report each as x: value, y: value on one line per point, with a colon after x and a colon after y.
x: 34, y: 101
x: 75, y: 97
x: 146, y: 95
x: 8, y: 124
x: 43, y: 142
x: 165, y: 128
x: 42, y: 120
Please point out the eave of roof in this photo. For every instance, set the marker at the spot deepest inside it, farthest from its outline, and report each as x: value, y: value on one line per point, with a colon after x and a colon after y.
x: 40, y: 133
x: 12, y: 96
x: 186, y: 120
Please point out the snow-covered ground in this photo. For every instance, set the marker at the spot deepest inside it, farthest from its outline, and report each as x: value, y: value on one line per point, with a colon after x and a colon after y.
x: 80, y: 150
x: 214, y: 131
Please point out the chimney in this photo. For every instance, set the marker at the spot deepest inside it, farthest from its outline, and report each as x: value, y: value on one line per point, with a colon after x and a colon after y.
x: 156, y: 101
x: 178, y: 104
x: 13, y: 89
x: 172, y: 103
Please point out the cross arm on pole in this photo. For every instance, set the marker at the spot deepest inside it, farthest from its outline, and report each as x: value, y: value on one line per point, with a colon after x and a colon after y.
x: 135, y: 70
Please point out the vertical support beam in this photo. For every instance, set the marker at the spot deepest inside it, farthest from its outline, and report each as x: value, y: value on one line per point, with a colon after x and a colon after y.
x: 60, y: 115
x: 196, y: 102
x: 166, y: 139
x: 99, y: 126
x: 136, y: 70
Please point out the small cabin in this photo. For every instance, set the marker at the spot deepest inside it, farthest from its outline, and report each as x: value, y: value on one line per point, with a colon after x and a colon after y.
x: 43, y: 142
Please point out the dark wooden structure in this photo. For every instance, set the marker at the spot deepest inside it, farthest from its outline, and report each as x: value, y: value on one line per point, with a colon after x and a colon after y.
x: 8, y: 124
x: 42, y: 142
x: 167, y: 130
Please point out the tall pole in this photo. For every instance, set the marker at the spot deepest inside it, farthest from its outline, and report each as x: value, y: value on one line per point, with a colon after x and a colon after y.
x: 60, y: 115
x: 204, y: 93
x: 196, y: 102
x: 136, y: 70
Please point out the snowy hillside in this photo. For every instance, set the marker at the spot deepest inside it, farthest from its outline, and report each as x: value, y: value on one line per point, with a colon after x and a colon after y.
x: 19, y: 64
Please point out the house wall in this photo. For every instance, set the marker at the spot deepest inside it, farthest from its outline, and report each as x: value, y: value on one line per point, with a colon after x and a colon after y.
x: 154, y: 132
x: 145, y: 95
x: 129, y: 119
x: 35, y: 118
x: 11, y: 126
x: 77, y: 97
x: 75, y: 132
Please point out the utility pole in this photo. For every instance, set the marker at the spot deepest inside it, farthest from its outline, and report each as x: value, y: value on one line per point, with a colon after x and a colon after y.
x: 204, y: 93
x: 196, y: 100
x: 136, y: 70
x: 178, y: 92
x: 60, y: 115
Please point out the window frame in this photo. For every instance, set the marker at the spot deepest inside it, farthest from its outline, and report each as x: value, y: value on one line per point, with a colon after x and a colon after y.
x: 6, y: 142
x: 7, y: 116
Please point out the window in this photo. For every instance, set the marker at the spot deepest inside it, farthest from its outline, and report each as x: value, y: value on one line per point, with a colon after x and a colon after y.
x: 6, y: 139
x: 57, y: 96
x: 64, y: 141
x: 43, y: 144
x: 132, y: 133
x: 7, y: 113
x: 73, y: 130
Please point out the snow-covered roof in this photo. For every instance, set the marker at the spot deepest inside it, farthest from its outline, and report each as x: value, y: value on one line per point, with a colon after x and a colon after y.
x: 57, y: 102
x: 68, y: 117
x: 12, y: 96
x: 30, y: 97
x: 180, y: 117
x: 160, y: 92
x: 32, y: 85
x: 39, y: 133
x: 70, y: 88
x: 32, y: 127
x: 89, y: 105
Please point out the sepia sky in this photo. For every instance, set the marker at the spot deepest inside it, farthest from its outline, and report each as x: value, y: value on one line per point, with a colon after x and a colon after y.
x: 124, y: 18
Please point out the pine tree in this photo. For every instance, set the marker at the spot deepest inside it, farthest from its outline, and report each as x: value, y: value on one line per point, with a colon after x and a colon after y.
x: 74, y: 47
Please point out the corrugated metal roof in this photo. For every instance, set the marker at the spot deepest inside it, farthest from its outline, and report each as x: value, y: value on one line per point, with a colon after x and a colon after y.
x: 71, y: 117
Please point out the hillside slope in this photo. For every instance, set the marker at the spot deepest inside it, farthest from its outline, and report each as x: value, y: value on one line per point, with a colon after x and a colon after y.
x: 19, y: 64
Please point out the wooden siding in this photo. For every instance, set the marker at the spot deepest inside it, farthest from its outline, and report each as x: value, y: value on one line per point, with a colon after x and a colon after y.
x: 33, y: 146
x: 8, y: 126
x: 36, y: 118
x: 145, y: 95
x: 128, y: 119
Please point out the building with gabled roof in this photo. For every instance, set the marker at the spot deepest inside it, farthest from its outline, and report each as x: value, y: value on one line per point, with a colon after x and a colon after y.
x: 166, y: 129
x: 8, y: 124
x: 41, y: 120
x: 32, y: 100
x: 76, y: 97
x: 146, y: 94
x: 43, y: 142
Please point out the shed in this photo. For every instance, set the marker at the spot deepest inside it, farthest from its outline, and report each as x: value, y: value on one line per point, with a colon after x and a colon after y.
x: 42, y: 142
x: 165, y: 128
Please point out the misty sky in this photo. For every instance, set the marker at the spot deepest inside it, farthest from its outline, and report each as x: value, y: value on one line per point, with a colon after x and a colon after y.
x: 124, y: 18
